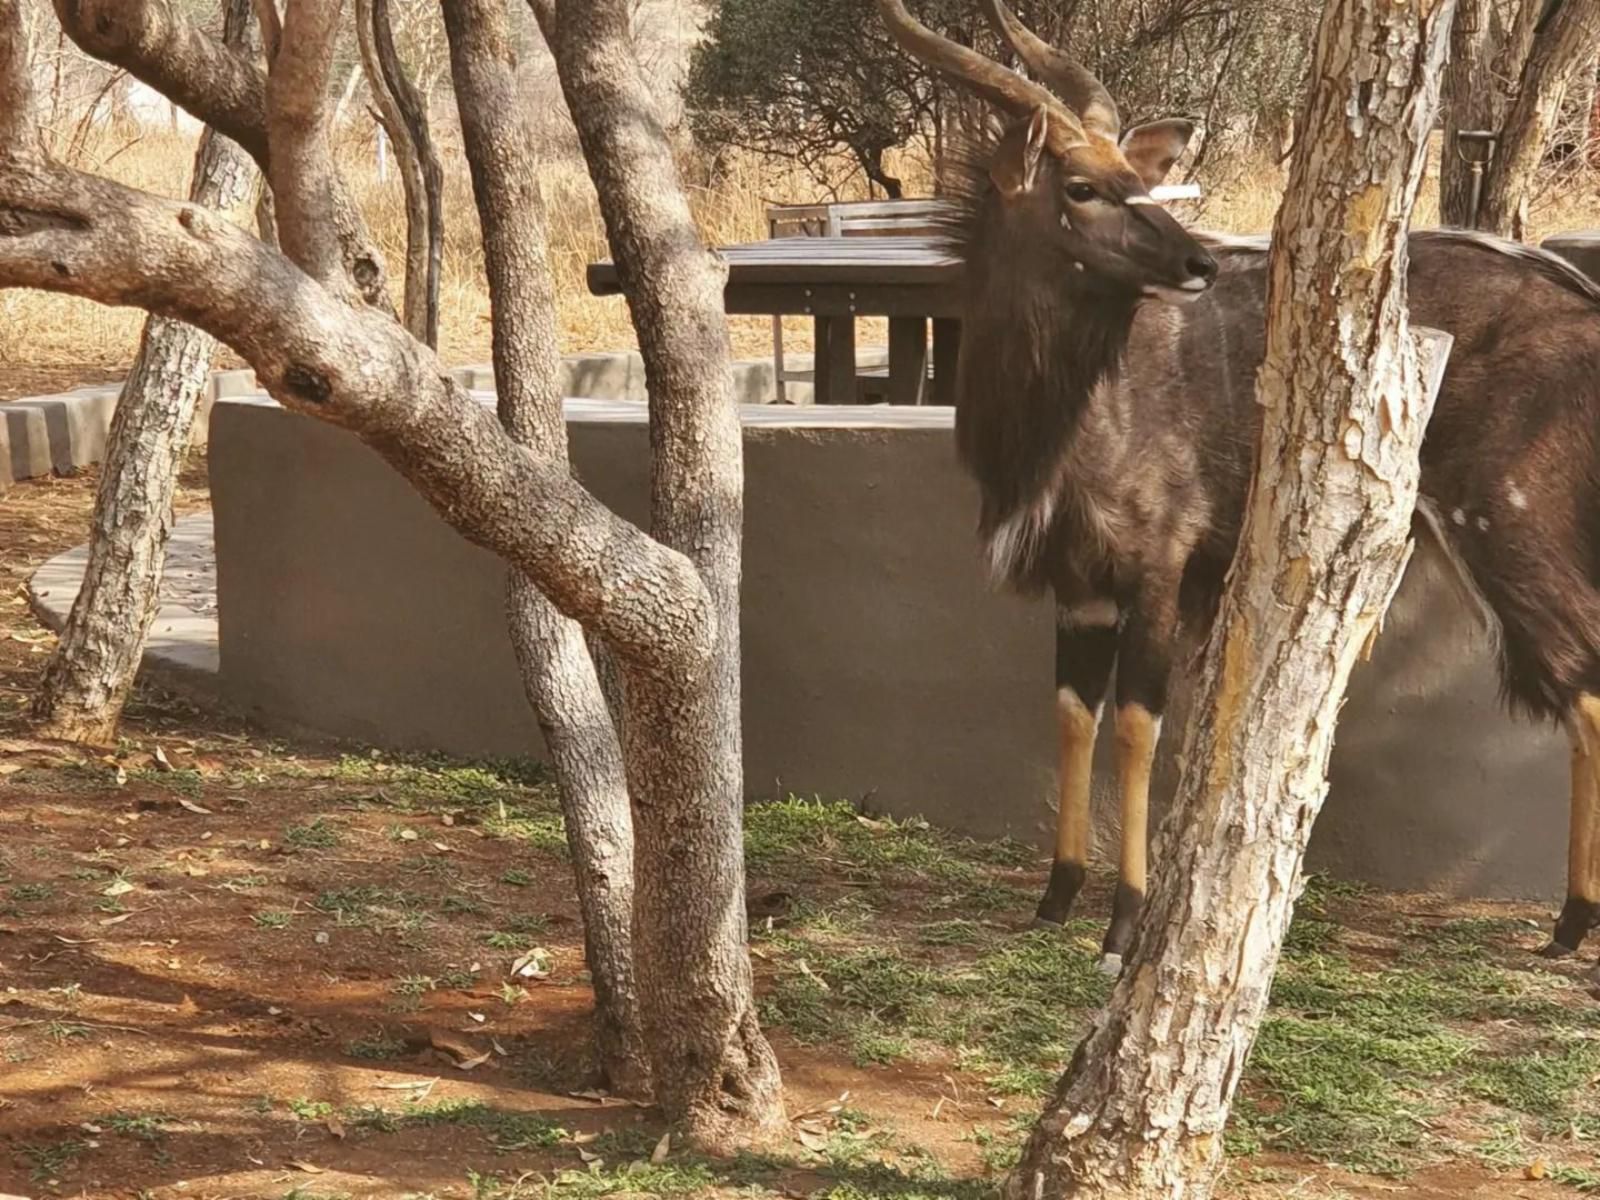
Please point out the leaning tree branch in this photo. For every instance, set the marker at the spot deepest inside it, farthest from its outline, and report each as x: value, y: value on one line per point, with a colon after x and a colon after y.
x: 65, y: 231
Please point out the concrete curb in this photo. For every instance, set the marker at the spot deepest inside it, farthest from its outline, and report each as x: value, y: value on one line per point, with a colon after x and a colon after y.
x: 66, y: 432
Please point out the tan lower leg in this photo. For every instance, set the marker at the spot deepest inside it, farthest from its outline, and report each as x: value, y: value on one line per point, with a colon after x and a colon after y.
x: 1079, y: 725
x: 1138, y: 730
x: 1583, y: 846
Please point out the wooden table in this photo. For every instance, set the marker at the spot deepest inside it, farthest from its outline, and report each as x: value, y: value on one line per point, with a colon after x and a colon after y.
x: 909, y: 280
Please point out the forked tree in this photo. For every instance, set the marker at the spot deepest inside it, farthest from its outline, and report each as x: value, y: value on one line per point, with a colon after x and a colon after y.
x: 314, y: 320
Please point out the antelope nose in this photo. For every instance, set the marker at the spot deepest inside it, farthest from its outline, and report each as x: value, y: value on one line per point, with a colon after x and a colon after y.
x: 1202, y: 266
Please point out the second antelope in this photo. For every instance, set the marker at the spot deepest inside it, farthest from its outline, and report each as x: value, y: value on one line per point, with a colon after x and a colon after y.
x: 1113, y: 438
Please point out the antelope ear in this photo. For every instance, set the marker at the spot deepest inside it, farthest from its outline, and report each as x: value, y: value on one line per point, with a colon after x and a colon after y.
x: 1016, y: 164
x: 1152, y: 149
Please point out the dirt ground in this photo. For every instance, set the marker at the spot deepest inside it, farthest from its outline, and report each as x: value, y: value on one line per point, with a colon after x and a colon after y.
x: 231, y: 967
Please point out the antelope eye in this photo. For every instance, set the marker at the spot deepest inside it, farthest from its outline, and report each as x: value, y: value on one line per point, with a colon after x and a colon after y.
x: 1080, y: 193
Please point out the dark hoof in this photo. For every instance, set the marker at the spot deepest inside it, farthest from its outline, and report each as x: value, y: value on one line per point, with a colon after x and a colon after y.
x: 1555, y: 951
x: 1047, y: 923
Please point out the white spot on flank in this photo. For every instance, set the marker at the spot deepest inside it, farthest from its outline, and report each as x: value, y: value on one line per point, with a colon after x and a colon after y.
x: 1459, y: 517
x: 1483, y: 524
x: 1066, y: 222
x: 1017, y: 538
x: 1515, y: 497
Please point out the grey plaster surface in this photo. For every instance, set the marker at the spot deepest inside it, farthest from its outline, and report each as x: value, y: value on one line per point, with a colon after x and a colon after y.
x: 878, y: 666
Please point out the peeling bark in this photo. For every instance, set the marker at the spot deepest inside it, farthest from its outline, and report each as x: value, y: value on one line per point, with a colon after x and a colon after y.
x: 1141, y: 1111
x: 92, y: 671
x: 557, y: 671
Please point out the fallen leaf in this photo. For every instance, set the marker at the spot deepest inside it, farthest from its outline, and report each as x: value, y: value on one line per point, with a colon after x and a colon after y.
x: 117, y: 887
x: 408, y: 835
x: 308, y: 1168
x: 663, y: 1148
x: 447, y: 819
x: 163, y: 763
x: 597, y: 1097
x: 336, y: 1127
x: 464, y: 1055
x: 811, y: 1140
x: 584, y: 1139
x: 535, y: 964
x: 187, y: 1006
x: 1537, y: 1169
x: 121, y: 776
x: 193, y: 807
x: 478, y: 1017
x: 116, y: 920
x: 10, y: 768
x: 588, y: 1156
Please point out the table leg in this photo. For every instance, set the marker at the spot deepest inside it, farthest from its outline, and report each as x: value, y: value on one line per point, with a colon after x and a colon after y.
x: 836, y: 360
x: 946, y: 353
x: 908, y: 359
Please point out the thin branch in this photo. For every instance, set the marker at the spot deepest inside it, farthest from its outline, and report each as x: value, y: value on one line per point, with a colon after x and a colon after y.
x: 271, y: 28
x: 302, y: 167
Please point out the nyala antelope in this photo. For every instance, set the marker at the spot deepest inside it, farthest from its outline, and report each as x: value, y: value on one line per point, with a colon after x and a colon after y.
x: 1113, y: 438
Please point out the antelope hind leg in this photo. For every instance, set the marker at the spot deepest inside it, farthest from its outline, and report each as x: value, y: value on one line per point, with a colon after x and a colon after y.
x: 1084, y: 658
x: 1581, y: 913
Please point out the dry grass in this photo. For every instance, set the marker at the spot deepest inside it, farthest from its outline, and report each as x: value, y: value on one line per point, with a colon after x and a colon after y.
x: 37, y: 329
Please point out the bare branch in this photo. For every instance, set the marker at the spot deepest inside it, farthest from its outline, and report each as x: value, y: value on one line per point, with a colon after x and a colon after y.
x: 157, y: 44
x: 271, y: 27
x: 302, y: 168
x: 19, y: 123
x: 404, y: 116
x: 356, y: 367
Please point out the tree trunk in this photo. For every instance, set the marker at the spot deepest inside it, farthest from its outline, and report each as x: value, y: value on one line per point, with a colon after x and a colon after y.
x: 1563, y: 45
x: 1472, y: 101
x: 715, y: 1076
x: 405, y: 120
x: 557, y: 671
x: 92, y: 671
x: 1141, y: 1111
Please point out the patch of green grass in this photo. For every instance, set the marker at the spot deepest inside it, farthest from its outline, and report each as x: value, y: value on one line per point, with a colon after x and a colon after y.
x: 414, y: 985
x: 517, y: 877
x: 49, y: 1160
x: 305, y: 1109
x: 359, y: 904
x: 506, y: 1129
x: 794, y: 830
x: 32, y: 893
x: 273, y: 919
x: 319, y: 834
x: 147, y: 1127
x: 1012, y: 1014
x: 377, y: 1047
x: 1542, y: 1077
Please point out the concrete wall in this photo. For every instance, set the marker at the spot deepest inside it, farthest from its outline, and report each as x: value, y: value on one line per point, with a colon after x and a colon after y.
x: 878, y: 666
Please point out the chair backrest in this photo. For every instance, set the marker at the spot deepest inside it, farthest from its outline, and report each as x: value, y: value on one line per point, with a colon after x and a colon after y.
x: 862, y: 218
x: 893, y: 218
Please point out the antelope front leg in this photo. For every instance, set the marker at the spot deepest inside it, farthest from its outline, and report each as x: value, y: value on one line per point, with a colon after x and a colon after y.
x: 1581, y: 913
x: 1144, y: 661
x: 1086, y: 649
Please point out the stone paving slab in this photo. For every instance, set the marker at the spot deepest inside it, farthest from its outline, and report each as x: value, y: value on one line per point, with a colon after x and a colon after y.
x: 184, y: 637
